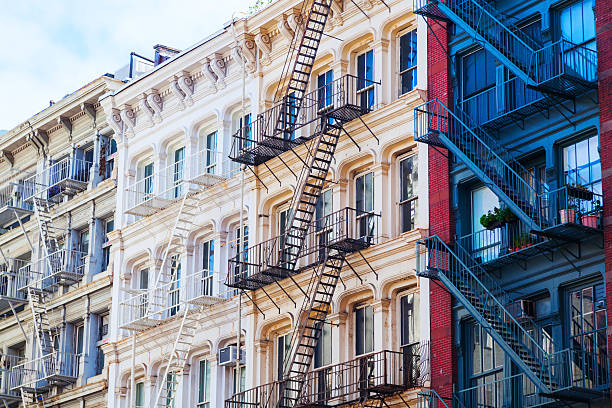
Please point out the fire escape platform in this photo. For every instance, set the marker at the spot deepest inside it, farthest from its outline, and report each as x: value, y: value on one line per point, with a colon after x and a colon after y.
x: 205, y: 300
x: 9, y: 214
x: 140, y: 324
x: 149, y: 206
x: 7, y: 301
x: 206, y: 179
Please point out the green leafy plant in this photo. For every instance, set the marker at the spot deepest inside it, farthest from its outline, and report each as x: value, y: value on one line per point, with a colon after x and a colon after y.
x: 259, y: 5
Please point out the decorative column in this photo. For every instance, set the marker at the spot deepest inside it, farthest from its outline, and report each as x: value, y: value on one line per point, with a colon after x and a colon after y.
x: 381, y: 324
x: 381, y: 70
x: 340, y: 337
x: 382, y: 204
x: 261, y: 360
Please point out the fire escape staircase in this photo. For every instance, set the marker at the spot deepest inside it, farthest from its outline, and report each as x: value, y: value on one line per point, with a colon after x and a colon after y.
x: 436, y: 125
x: 487, y: 302
x: 558, y: 69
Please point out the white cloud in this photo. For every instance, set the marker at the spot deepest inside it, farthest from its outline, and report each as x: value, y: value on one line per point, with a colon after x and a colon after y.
x: 53, y: 48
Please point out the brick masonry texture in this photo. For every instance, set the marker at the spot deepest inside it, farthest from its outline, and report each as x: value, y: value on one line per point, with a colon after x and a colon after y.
x: 603, y: 23
x: 443, y: 368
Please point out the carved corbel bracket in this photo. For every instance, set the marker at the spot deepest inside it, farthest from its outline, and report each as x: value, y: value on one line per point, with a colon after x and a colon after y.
x: 217, y: 65
x: 156, y: 103
x: 247, y: 53
x: 7, y: 156
x: 209, y: 75
x: 178, y: 93
x: 116, y: 123
x: 336, y: 19
x: 89, y: 109
x: 146, y: 109
x: 264, y: 43
x: 129, y: 118
x: 285, y: 29
x: 66, y: 124
x: 187, y: 86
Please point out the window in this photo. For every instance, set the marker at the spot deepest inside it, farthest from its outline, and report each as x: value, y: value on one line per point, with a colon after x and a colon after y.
x: 108, y: 152
x: 577, y: 24
x: 364, y: 330
x: 140, y: 397
x: 171, y: 384
x: 239, y: 372
x: 408, y: 62
x: 178, y: 171
x: 175, y: 281
x: 88, y: 157
x: 289, y: 116
x: 245, y: 135
x: 204, y: 384
x: 325, y: 90
x: 582, y: 165
x: 365, y: 79
x: 102, y: 335
x: 109, y: 226
x: 207, y: 159
x: 485, y: 245
x: 84, y: 242
x: 79, y: 332
x: 408, y: 309
x: 364, y: 201
x: 324, y: 227
x: 143, y: 285
x: 208, y: 266
x: 323, y: 351
x: 283, y: 345
x: 477, y: 83
x: 408, y: 198
x: 240, y: 249
x: 587, y: 336
x: 485, y: 361
x: 145, y: 179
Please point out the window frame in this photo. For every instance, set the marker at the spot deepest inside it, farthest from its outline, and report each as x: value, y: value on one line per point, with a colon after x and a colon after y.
x: 402, y: 33
x: 205, y: 394
x: 364, y: 307
x: 413, y: 199
x: 364, y: 218
x: 365, y: 86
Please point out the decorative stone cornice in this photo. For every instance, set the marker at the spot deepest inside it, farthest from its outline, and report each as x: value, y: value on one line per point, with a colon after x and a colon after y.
x: 246, y: 52
x: 264, y: 43
x: 90, y: 111
x: 178, y: 93
x: 7, y: 156
x: 336, y: 19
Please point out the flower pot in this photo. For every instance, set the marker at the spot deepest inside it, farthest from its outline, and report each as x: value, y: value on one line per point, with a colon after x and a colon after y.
x: 495, y: 224
x: 567, y: 215
x: 590, y: 220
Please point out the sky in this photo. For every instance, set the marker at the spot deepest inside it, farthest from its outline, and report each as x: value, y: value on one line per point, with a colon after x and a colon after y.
x: 52, y: 48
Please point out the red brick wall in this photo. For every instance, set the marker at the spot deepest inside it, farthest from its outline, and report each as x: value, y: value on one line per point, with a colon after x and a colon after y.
x: 440, y: 222
x: 604, y: 50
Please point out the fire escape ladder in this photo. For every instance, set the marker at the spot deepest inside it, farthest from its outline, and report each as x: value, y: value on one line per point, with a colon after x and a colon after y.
x: 484, y: 299
x: 42, y: 327
x: 312, y: 180
x: 183, y: 224
x: 435, y: 124
x: 176, y: 360
x: 48, y: 232
x: 312, y: 315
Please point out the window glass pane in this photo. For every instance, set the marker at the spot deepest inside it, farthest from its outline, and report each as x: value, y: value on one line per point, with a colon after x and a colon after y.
x: 359, y: 331
x: 408, y: 328
x: 140, y: 395
x: 408, y: 178
x: 477, y: 350
x: 369, y: 329
x: 369, y: 192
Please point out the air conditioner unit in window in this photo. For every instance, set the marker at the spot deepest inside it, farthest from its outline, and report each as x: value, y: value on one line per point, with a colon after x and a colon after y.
x: 522, y: 309
x: 227, y: 356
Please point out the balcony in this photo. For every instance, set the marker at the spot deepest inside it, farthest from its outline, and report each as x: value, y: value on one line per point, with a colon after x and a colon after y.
x: 587, y: 378
x: 148, y: 308
x: 60, y: 268
x: 66, y: 177
x: 159, y: 190
x: 380, y: 374
x: 276, y: 130
x: 568, y: 215
x: 346, y: 230
x: 40, y: 374
x: 10, y: 295
x: 13, y: 205
x: 8, y: 393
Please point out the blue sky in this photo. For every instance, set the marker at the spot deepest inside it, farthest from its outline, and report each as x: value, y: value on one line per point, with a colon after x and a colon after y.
x: 52, y: 48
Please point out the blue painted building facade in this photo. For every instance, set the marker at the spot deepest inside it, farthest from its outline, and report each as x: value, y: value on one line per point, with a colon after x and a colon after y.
x: 526, y: 267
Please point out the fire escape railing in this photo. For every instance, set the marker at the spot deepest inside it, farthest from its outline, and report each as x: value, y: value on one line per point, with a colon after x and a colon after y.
x: 347, y: 230
x: 382, y: 373
x: 43, y: 372
x: 263, y: 138
x: 68, y: 175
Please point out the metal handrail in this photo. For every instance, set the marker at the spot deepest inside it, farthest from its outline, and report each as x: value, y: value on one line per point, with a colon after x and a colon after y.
x: 45, y: 184
x: 340, y: 92
x: 333, y: 228
x: 435, y: 117
x: 12, y: 195
x: 433, y: 252
x: 30, y: 372
x: 45, y: 272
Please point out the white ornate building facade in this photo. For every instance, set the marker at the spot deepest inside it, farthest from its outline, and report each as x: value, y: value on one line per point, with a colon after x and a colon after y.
x: 57, y: 203
x: 178, y: 214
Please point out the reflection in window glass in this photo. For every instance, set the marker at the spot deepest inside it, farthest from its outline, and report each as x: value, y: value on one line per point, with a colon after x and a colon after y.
x: 582, y: 165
